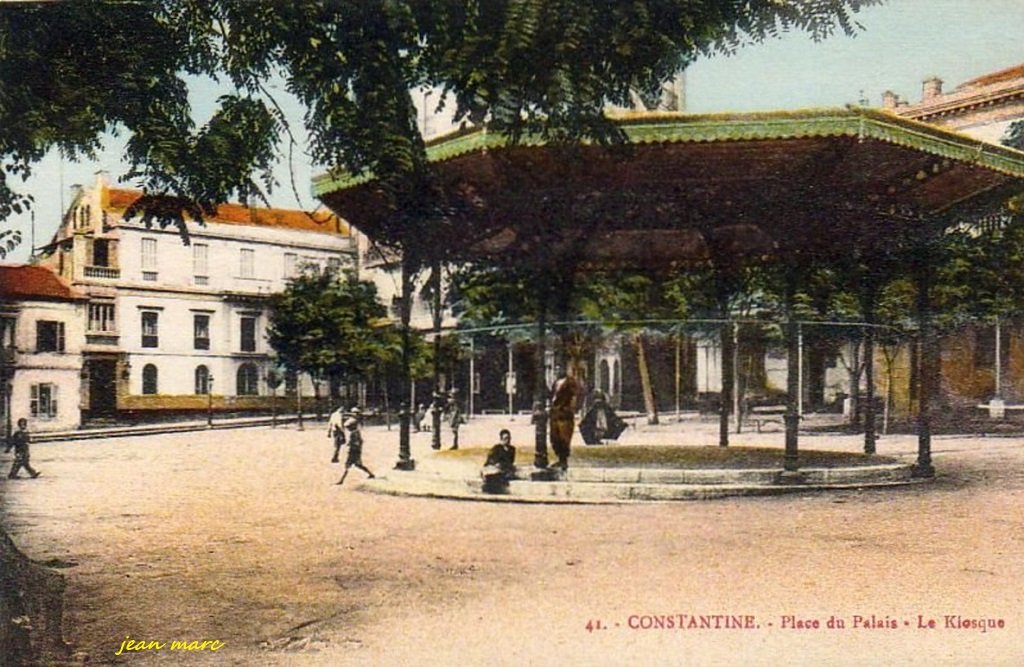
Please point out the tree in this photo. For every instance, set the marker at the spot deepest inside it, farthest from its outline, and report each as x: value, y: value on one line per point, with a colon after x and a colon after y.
x: 1014, y: 137
x: 71, y: 71
x: 332, y: 327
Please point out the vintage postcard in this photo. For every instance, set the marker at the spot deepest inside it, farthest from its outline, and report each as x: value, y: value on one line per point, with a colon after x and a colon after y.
x: 512, y: 333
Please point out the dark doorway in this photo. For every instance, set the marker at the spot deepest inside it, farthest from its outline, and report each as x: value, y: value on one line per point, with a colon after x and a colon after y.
x: 102, y: 387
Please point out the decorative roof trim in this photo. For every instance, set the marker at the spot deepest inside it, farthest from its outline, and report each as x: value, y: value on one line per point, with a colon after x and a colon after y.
x: 662, y: 127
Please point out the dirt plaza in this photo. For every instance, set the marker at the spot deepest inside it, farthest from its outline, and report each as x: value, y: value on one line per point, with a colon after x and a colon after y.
x: 241, y: 537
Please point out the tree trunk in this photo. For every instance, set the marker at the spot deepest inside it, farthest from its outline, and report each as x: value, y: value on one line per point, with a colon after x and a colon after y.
x: 435, y: 434
x: 650, y: 405
x: 540, y: 394
x: 405, y: 461
x: 854, y: 370
x: 869, y: 377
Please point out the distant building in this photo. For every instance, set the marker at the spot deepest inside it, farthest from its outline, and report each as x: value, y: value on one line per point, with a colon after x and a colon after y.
x: 984, y: 359
x: 982, y: 107
x: 42, y: 335
x: 172, y: 326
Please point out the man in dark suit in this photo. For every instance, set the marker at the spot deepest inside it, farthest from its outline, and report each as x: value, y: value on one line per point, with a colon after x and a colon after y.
x: 500, y: 466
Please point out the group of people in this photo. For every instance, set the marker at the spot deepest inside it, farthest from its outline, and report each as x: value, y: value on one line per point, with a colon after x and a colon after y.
x: 343, y: 427
x: 499, y: 467
x: 445, y: 405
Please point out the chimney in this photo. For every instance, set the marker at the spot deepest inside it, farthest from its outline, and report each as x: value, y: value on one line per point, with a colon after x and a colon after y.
x: 102, y: 191
x: 931, y: 87
x: 889, y: 99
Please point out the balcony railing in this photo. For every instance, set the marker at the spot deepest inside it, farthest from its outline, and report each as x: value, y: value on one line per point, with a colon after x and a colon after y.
x: 102, y: 272
x: 101, y: 337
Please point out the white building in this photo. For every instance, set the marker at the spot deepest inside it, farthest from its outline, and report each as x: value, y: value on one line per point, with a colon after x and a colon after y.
x: 42, y: 334
x: 174, y: 326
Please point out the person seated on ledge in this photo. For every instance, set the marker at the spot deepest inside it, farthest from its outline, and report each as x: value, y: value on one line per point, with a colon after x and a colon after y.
x: 500, y: 466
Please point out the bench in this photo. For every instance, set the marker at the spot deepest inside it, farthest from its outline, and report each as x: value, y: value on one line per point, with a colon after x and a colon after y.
x: 997, y: 409
x: 760, y: 415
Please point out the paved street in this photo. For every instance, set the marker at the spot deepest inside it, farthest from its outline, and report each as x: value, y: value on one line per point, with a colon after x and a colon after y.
x: 241, y: 536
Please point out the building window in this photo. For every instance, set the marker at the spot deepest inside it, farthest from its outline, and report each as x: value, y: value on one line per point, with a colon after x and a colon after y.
x: 201, y: 332
x: 248, y: 334
x: 334, y: 265
x: 101, y: 252
x: 311, y: 265
x: 43, y: 401
x: 200, y: 263
x: 149, y: 259
x: 149, y: 377
x: 202, y: 380
x: 49, y: 336
x: 247, y: 263
x: 291, y: 261
x: 150, y: 330
x: 101, y: 318
x: 7, y: 325
x: 247, y: 380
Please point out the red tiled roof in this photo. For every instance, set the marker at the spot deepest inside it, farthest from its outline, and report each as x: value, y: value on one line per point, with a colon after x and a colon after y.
x: 236, y: 214
x: 22, y: 282
x: 1007, y: 74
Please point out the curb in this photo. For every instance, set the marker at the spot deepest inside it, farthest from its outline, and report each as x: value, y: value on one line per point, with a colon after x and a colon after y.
x: 158, y: 429
x: 604, y: 486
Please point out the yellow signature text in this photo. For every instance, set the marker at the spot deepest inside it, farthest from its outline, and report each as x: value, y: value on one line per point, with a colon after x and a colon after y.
x: 130, y: 644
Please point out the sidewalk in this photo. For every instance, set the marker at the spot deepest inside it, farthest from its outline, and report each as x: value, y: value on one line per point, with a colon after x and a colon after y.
x: 92, y: 433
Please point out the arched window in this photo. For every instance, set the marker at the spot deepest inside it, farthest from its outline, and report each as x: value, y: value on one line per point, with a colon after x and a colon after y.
x: 149, y: 384
x: 202, y: 380
x: 247, y: 380
x: 604, y: 381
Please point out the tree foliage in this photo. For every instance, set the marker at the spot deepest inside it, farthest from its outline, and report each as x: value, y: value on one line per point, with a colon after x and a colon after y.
x: 332, y: 326
x: 71, y: 71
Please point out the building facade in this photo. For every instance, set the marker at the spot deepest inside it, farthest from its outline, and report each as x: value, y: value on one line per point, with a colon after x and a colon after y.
x: 42, y: 335
x: 983, y: 360
x: 982, y: 107
x: 174, y: 325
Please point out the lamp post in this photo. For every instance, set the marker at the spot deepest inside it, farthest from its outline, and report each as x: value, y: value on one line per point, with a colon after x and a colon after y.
x: 209, y: 401
x: 124, y: 389
x: 273, y: 381
x: 298, y: 398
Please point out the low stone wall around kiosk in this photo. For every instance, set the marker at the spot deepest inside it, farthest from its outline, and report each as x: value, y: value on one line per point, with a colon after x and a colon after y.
x: 31, y: 610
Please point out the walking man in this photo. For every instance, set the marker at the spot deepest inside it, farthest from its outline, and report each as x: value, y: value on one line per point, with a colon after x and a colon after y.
x: 19, y: 441
x: 355, y: 447
x: 336, y: 430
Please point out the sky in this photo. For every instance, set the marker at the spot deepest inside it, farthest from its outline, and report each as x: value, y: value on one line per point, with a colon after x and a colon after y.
x: 900, y: 44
